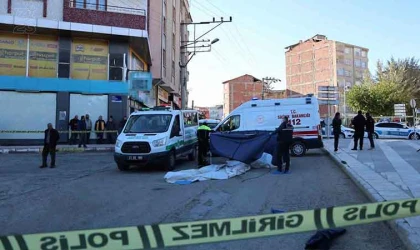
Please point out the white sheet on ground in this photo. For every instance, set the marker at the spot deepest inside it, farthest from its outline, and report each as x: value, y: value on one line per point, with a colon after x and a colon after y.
x: 217, y: 171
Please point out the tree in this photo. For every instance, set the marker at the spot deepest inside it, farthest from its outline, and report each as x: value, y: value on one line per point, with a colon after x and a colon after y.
x: 376, y: 98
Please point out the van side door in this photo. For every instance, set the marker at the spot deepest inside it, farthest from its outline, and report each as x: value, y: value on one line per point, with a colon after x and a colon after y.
x: 176, y: 136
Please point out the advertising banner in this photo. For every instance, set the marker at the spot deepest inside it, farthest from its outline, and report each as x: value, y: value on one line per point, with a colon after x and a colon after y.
x: 89, y: 59
x: 163, y: 95
x: 13, y: 54
x: 43, y: 56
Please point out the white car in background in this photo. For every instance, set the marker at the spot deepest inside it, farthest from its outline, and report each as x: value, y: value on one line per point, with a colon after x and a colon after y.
x: 346, y: 132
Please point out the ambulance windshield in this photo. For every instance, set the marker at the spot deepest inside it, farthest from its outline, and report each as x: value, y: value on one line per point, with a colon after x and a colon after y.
x: 148, y: 123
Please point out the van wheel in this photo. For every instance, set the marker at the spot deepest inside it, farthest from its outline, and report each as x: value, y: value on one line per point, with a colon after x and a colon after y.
x: 123, y: 167
x: 193, y: 155
x: 171, y: 161
x: 298, y: 149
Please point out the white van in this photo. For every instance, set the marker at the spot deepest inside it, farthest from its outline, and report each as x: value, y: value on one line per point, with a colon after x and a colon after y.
x: 266, y: 115
x: 159, y: 135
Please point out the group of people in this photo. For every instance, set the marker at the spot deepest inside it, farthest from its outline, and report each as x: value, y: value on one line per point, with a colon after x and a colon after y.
x: 81, y: 129
x: 360, y: 125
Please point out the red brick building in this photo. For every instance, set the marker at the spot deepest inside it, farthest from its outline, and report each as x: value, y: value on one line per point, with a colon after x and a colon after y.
x: 321, y: 62
x: 243, y: 88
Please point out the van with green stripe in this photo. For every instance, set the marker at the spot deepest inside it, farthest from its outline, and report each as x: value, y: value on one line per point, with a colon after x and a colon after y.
x: 157, y: 136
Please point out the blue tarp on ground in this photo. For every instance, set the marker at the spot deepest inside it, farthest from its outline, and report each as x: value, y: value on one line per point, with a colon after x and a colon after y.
x: 244, y: 146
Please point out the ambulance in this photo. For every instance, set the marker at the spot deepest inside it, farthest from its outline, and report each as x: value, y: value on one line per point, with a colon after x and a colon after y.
x: 157, y: 136
x: 266, y: 115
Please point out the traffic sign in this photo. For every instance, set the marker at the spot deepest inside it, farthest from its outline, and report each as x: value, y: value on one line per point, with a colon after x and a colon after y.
x: 413, y: 103
x: 328, y: 102
x: 327, y: 88
x: 328, y: 95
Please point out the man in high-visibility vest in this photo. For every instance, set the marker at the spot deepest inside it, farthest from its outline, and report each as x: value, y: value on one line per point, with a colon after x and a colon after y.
x: 203, y: 135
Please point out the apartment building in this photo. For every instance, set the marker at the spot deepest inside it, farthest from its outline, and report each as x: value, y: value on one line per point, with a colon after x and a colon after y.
x: 166, y: 37
x: 244, y: 88
x: 61, y: 58
x: 321, y: 62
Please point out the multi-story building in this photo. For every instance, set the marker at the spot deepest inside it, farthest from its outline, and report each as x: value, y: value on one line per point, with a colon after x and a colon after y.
x: 166, y: 37
x: 244, y: 88
x: 64, y: 58
x: 322, y: 62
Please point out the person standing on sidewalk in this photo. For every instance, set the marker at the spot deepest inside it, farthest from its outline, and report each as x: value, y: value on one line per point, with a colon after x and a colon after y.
x: 88, y: 128
x: 51, y: 137
x: 336, y: 124
x: 122, y: 124
x: 284, y: 140
x: 82, y: 129
x: 111, y: 126
x: 359, y: 123
x: 100, y: 128
x: 370, y: 127
x: 73, y: 127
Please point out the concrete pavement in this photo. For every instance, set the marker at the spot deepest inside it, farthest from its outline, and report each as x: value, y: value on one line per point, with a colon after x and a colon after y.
x: 389, y: 172
x: 87, y: 191
x: 60, y: 148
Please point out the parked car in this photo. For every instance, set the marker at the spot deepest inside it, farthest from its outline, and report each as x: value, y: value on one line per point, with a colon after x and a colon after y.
x: 395, y: 130
x: 345, y: 132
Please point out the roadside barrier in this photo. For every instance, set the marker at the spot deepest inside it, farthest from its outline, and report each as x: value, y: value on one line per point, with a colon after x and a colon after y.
x: 210, y: 231
x: 59, y: 131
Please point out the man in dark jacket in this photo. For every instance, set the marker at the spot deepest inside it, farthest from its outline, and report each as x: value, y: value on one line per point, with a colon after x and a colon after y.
x: 284, y: 140
x: 370, y: 128
x: 359, y: 123
x: 122, y: 124
x: 82, y: 128
x: 336, y: 124
x: 51, y: 138
x: 73, y: 127
x: 203, y: 135
x: 111, y: 126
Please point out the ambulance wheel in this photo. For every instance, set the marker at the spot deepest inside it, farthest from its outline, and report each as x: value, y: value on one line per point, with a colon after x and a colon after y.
x: 193, y: 155
x: 171, y: 161
x: 123, y: 167
x: 298, y: 149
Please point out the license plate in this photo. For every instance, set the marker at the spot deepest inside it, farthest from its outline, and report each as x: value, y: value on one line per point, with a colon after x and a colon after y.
x: 135, y: 157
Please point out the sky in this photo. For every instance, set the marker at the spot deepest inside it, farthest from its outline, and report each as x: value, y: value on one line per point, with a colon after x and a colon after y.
x: 254, y: 42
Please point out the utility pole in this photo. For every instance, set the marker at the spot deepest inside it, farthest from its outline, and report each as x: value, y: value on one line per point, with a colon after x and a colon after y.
x: 185, y: 53
x: 267, y: 85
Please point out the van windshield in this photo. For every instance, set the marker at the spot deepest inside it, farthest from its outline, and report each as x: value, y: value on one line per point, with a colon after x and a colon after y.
x: 148, y: 123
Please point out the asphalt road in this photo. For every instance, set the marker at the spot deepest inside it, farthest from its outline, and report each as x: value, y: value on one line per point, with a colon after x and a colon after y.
x: 86, y: 191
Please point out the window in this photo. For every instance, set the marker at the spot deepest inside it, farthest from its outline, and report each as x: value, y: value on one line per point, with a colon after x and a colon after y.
x: 64, y: 58
x: 340, y: 72
x: 357, y: 52
x: 363, y: 64
x: 190, y: 119
x: 176, y: 128
x: 90, y: 4
x: 347, y: 50
x: 151, y: 123
x: 347, y: 73
x: 164, y: 25
x: 232, y: 123
x: 357, y: 63
x: 173, y: 41
x: 164, y: 58
x: 164, y: 41
x: 116, y: 64
x: 173, y: 68
x: 364, y: 53
x: 347, y: 61
x: 136, y: 63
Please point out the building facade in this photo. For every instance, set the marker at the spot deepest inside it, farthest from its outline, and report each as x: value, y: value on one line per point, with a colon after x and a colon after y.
x: 244, y: 88
x: 322, y: 62
x: 215, y: 112
x: 166, y: 37
x: 64, y: 58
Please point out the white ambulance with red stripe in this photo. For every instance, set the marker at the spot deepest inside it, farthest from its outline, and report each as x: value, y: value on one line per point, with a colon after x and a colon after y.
x: 266, y: 115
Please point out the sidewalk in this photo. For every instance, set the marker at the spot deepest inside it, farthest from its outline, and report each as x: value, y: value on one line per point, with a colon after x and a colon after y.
x: 389, y: 172
x: 60, y: 148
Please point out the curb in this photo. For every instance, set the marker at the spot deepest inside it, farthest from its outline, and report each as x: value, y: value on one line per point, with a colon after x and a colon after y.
x: 59, y: 150
x: 400, y: 226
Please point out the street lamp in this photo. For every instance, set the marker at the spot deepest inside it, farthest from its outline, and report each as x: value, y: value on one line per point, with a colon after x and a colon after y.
x: 214, y: 41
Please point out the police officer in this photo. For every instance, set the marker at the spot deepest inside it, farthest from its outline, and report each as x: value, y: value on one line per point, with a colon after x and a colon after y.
x: 203, y: 135
x: 284, y: 140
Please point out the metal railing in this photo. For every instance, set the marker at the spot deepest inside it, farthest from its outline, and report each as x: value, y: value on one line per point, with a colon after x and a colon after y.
x: 83, y: 4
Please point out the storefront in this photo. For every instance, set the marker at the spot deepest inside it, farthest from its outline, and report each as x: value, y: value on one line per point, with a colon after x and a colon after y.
x: 163, y: 97
x: 176, y: 101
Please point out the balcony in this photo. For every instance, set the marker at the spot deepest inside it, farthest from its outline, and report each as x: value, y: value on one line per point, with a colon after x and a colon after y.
x: 92, y: 12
